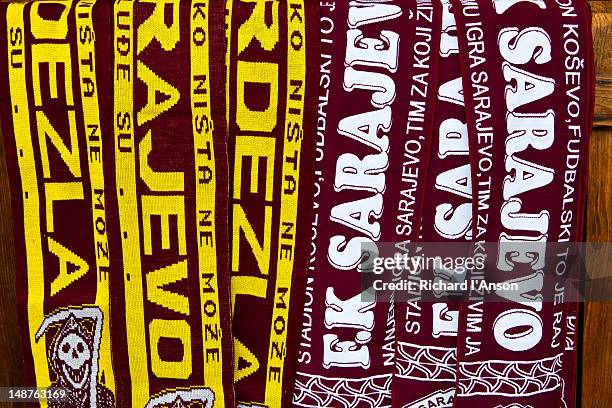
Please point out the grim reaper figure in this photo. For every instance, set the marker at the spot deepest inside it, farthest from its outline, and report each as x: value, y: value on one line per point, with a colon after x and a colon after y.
x: 185, y: 398
x: 73, y: 357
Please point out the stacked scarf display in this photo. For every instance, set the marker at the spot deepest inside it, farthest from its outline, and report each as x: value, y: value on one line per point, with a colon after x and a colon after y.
x: 201, y: 190
x: 115, y: 132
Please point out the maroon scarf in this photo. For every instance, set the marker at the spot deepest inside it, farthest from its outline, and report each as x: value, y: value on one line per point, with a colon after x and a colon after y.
x: 526, y: 77
x: 373, y: 141
x: 53, y: 137
x: 167, y: 176
x: 425, y: 348
x: 574, y: 296
x: 426, y: 351
x: 271, y: 104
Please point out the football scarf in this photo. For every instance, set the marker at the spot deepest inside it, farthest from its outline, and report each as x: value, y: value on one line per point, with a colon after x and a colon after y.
x: 53, y: 133
x: 427, y: 329
x: 168, y: 163
x: 526, y: 72
x: 377, y: 65
x: 425, y: 353
x: 581, y: 163
x: 271, y: 142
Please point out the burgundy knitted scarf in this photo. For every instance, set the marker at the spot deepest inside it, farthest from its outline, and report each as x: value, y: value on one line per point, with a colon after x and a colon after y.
x: 426, y: 349
x: 527, y: 73
x: 271, y: 105
x: 374, y: 125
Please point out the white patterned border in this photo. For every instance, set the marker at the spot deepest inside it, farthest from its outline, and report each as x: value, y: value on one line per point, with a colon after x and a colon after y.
x: 316, y: 391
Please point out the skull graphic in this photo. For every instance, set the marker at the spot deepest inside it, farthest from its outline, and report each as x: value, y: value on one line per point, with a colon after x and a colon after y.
x: 75, y: 354
x: 72, y: 354
x: 183, y: 398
